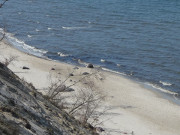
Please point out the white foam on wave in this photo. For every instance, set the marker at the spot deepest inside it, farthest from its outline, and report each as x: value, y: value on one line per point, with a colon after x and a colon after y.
x: 49, y: 28
x: 82, y: 62
x: 37, y: 30
x: 29, y: 36
x: 62, y: 54
x: 22, y: 45
x: 103, y: 60
x: 118, y: 65
x: 109, y: 70
x: 165, y: 83
x: 73, y: 28
x: 146, y: 83
x: 161, y: 89
x: 1, y: 30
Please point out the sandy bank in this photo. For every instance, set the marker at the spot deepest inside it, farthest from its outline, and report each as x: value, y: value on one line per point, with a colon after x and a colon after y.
x: 133, y: 107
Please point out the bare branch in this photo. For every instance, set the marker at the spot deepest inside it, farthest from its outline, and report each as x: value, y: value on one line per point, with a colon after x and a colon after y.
x: 9, y: 60
x: 84, y: 104
x: 3, y: 36
x: 1, y: 5
x: 57, y: 88
x: 86, y: 99
x: 60, y: 87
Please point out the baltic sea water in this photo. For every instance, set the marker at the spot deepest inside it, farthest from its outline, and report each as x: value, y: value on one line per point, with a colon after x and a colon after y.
x: 140, y: 38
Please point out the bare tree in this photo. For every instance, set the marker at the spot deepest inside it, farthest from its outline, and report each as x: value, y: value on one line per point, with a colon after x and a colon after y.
x: 84, y: 104
x: 59, y: 86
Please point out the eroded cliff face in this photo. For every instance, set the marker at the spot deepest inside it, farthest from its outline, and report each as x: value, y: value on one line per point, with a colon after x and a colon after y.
x: 24, y: 111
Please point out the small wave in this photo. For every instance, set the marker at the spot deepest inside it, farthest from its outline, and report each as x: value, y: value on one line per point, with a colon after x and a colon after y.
x: 165, y: 83
x: 29, y: 36
x: 1, y: 30
x: 103, y: 60
x: 107, y: 61
x: 118, y: 65
x: 49, y: 28
x: 109, y: 70
x: 161, y: 89
x: 131, y: 73
x: 82, y: 62
x: 37, y: 22
x: 23, y: 46
x: 37, y: 30
x: 73, y: 28
x: 62, y: 54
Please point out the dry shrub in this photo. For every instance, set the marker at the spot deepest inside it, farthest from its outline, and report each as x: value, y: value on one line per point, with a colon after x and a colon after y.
x: 85, y: 104
x: 9, y: 60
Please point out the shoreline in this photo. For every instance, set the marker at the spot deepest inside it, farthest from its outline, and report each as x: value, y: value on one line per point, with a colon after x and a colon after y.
x: 165, y: 93
x: 22, y: 46
x: 135, y: 108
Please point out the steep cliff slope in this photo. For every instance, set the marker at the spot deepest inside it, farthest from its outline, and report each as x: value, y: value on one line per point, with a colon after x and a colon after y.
x: 24, y: 111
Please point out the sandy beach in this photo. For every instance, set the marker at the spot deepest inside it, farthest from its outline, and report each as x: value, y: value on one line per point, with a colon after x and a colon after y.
x: 135, y: 110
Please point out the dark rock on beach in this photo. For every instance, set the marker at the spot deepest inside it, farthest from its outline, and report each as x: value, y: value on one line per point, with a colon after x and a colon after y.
x: 24, y: 67
x: 100, y: 129
x: 90, y: 66
x: 75, y: 68
x: 85, y: 73
x: 69, y: 89
x: 71, y: 74
x: 52, y: 68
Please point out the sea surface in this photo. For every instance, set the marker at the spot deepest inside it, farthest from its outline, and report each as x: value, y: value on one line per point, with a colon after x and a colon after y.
x: 137, y: 38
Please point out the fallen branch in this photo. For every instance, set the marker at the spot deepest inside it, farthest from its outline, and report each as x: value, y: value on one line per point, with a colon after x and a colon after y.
x: 1, y: 5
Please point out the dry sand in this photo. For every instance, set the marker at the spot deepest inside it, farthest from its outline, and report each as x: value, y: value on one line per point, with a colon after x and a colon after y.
x: 134, y: 109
